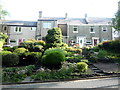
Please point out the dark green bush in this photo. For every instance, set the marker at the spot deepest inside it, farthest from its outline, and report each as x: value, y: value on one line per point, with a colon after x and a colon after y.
x: 28, y: 45
x: 33, y: 57
x: 54, y: 38
x: 22, y: 53
x: 38, y: 48
x: 52, y: 58
x: 54, y: 49
x: 29, y: 69
x: 10, y: 48
x: 102, y: 54
x: 112, y: 46
x: 10, y: 59
x: 74, y: 59
x: 84, y: 60
x: 82, y: 66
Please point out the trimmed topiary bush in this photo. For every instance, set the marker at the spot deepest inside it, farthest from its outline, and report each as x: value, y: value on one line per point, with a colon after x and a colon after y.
x: 55, y: 49
x: 40, y: 42
x: 53, y: 58
x: 5, y: 52
x: 20, y: 50
x: 54, y: 38
x: 82, y: 66
x: 22, y: 53
x: 34, y: 57
x: 10, y: 59
x: 38, y: 48
x: 28, y: 45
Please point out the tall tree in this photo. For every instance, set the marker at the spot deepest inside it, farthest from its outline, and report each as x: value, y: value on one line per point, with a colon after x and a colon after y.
x: 3, y: 12
x: 116, y: 21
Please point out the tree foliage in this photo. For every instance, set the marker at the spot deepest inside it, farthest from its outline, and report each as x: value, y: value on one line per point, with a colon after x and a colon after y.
x: 3, y: 12
x: 54, y: 37
x: 116, y: 21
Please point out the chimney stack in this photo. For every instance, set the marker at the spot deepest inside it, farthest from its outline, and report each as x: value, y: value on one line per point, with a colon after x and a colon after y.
x: 85, y: 15
x: 66, y: 15
x: 40, y: 14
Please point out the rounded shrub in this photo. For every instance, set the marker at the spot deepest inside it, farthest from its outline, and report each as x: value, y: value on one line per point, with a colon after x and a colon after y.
x: 10, y: 59
x: 38, y: 48
x: 28, y: 45
x: 84, y: 60
x: 34, y: 57
x: 20, y: 50
x: 82, y: 66
x: 52, y: 58
x: 5, y: 52
x: 55, y: 49
x: 40, y: 42
x: 79, y: 51
x: 22, y: 53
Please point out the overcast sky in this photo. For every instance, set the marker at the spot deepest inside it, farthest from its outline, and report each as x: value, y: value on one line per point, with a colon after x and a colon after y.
x: 28, y: 9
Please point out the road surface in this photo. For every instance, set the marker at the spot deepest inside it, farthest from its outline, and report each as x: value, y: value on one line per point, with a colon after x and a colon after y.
x: 90, y: 83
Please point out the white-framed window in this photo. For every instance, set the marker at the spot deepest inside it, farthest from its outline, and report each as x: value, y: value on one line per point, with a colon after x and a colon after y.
x: 88, y: 41
x: 104, y: 29
x: 5, y: 28
x: 12, y: 41
x: 18, y: 30
x: 92, y: 30
x: 47, y: 25
x: 75, y: 29
x: 33, y: 28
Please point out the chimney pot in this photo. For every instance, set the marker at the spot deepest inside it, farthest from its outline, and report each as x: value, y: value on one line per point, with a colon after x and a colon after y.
x: 66, y: 15
x: 40, y: 14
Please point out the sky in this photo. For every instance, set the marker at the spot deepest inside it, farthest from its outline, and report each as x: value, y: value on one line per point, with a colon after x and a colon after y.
x: 28, y: 9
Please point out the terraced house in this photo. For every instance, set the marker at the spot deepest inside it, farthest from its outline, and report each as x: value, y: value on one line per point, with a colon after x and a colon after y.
x: 82, y: 31
x: 18, y: 31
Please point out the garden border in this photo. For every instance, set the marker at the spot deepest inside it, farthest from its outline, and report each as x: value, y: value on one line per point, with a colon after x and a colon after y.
x: 61, y: 80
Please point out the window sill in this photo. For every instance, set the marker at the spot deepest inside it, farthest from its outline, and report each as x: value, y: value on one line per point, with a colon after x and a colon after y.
x: 75, y: 31
x: 92, y: 32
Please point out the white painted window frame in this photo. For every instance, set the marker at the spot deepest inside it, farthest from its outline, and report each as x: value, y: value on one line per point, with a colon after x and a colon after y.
x: 74, y: 28
x: 93, y: 29
x: 47, y: 25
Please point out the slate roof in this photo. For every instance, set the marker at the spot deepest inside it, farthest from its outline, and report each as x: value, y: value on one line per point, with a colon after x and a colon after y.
x: 96, y: 20
x: 50, y: 18
x: 21, y: 23
x: 73, y: 21
x: 88, y: 20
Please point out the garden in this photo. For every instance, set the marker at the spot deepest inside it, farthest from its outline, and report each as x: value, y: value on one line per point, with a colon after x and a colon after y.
x: 54, y: 60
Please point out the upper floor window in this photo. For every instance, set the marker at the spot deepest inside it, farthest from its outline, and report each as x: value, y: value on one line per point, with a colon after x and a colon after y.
x: 5, y: 28
x: 18, y: 30
x: 46, y: 25
x: 75, y: 29
x: 104, y: 29
x: 33, y: 28
x: 92, y: 30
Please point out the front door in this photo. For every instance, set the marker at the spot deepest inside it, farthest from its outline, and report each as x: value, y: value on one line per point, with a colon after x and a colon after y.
x: 19, y: 41
x: 81, y: 41
x: 95, y: 42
